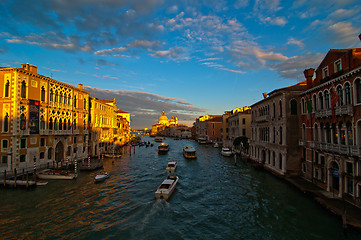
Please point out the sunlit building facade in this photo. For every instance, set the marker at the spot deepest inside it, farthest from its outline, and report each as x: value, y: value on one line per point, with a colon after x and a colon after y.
x: 42, y: 120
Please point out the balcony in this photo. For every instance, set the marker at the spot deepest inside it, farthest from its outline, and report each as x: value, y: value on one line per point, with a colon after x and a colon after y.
x: 339, y: 111
x: 264, y: 118
x: 335, y: 148
x: 302, y: 142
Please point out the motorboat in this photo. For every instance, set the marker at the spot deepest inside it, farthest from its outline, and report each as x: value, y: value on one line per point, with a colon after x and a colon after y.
x: 109, y: 155
x: 202, y: 140
x: 167, y: 187
x: 41, y: 182
x: 215, y: 145
x: 171, y: 166
x: 163, y: 148
x: 56, y: 174
x: 189, y: 152
x: 158, y: 139
x: 101, y: 177
x: 227, y: 152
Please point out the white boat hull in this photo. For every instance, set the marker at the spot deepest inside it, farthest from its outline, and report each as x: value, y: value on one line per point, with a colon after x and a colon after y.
x: 56, y: 175
x: 165, y: 193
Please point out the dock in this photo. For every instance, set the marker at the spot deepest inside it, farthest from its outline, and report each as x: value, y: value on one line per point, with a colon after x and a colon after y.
x: 17, y: 183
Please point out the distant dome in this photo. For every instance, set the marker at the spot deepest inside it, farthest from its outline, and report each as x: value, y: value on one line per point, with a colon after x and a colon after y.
x: 172, y: 120
x: 163, y: 119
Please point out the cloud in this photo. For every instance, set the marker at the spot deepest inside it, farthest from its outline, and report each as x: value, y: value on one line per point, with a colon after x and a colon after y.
x: 111, y: 51
x: 292, y: 41
x: 345, y: 32
x: 279, y: 21
x: 173, y: 53
x: 147, y: 107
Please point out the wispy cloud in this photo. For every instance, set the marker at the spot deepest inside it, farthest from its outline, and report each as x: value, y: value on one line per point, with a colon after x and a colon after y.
x: 292, y: 41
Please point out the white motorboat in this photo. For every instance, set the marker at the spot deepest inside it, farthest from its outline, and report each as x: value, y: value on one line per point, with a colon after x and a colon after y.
x: 167, y: 187
x: 158, y: 139
x: 41, y: 182
x: 171, y: 166
x: 109, y: 155
x: 227, y: 152
x: 56, y: 174
x: 189, y: 152
x: 101, y: 177
x: 163, y: 148
x: 215, y: 145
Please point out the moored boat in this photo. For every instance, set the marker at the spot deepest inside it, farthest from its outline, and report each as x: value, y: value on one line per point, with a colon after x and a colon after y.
x: 202, y: 140
x: 158, y: 139
x: 41, y: 182
x: 189, y: 152
x: 167, y: 187
x: 227, y: 152
x: 171, y: 166
x: 101, y: 177
x: 56, y: 174
x: 163, y: 148
x: 107, y: 155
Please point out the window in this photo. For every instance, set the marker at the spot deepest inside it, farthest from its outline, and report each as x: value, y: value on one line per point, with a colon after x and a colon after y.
x: 280, y: 161
x: 358, y: 90
x: 342, y: 134
x: 340, y: 95
x: 42, y: 122
x: 347, y: 93
x: 22, y: 158
x: 56, y: 96
x: 5, y: 144
x: 68, y: 152
x: 349, y: 133
x: 42, y: 94
x: 303, y: 105
x: 280, y: 135
x: 7, y: 89
x: 320, y: 99
x: 69, y: 124
x: 4, y: 159
x: 6, y: 123
x: 50, y: 153
x: 274, y: 107
x: 23, y: 89
x: 75, y: 101
x: 303, y: 131
x: 349, y: 168
x: 60, y: 124
x: 243, y: 121
x: 60, y: 98
x: 84, y: 103
x: 325, y: 72
x: 316, y: 132
x: 51, y: 95
x: 314, y: 101
x: 75, y: 150
x: 42, y: 155
x: 51, y: 123
x: 327, y: 100
x: 74, y: 124
x: 22, y: 121
x: 338, y: 66
x: 243, y: 132
x: 74, y: 139
x: 335, y: 134
x: 42, y: 142
x: 280, y: 103
x: 23, y: 143
x: 293, y: 107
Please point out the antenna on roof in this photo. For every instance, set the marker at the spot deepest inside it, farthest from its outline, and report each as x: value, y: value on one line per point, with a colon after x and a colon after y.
x: 51, y: 75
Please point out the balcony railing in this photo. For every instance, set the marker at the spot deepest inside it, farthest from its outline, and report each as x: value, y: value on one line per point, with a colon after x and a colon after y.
x: 339, y: 111
x: 264, y: 118
x: 336, y: 148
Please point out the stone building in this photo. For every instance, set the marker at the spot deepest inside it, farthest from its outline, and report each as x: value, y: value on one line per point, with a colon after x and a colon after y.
x: 274, y: 131
x: 239, y: 124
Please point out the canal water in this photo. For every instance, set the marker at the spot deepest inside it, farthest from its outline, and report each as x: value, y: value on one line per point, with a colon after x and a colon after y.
x: 214, y: 199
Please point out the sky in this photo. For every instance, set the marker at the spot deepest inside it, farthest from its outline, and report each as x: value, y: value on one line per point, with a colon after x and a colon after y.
x: 188, y: 58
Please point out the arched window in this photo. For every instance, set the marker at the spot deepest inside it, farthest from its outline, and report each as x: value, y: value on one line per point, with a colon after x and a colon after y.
x: 7, y: 89
x: 6, y: 123
x: 65, y: 98
x: 280, y: 161
x: 358, y: 90
x: 280, y: 135
x: 340, y: 96
x: 328, y: 133
x: 60, y: 124
x: 320, y: 100
x: 50, y: 153
x: 316, y: 132
x: 23, y: 89
x: 42, y: 94
x: 56, y: 124
x: 22, y: 121
x: 84, y: 126
x: 347, y: 93
x: 303, y: 105
x: 69, y: 99
x: 293, y: 107
x: 84, y: 103
x: 69, y: 124
x: 56, y: 96
x: 51, y: 123
x: 74, y: 124
x: 280, y: 103
x: 342, y: 131
x: 274, y: 109
x: 64, y: 127
x: 334, y: 134
x: 327, y: 100
x: 42, y: 122
x: 75, y: 101
x: 314, y: 101
x: 60, y: 98
x: 51, y: 95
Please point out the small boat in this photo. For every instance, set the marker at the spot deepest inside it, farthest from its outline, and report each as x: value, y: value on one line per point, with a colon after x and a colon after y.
x: 171, y: 166
x: 202, y: 140
x: 216, y: 145
x: 227, y: 152
x: 109, y: 155
x: 101, y: 177
x: 41, y: 182
x: 167, y: 187
x: 158, y: 139
x: 56, y: 174
x: 163, y: 148
x: 189, y: 152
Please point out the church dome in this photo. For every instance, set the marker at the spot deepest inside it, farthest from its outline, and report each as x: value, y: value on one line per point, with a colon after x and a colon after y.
x: 163, y: 119
x: 172, y: 120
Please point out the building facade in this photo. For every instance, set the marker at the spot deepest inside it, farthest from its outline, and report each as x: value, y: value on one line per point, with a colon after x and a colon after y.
x: 330, y: 124
x: 239, y: 123
x: 274, y: 131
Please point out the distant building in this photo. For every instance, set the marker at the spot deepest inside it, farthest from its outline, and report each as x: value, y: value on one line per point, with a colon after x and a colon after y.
x: 239, y: 125
x: 208, y: 127
x: 163, y: 123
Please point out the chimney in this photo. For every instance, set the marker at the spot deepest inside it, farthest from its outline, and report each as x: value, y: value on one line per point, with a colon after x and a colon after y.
x: 308, y: 75
x: 33, y: 68
x: 80, y: 86
x: 264, y: 95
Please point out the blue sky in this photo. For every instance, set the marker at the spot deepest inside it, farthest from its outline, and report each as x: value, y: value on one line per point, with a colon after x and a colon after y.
x: 187, y: 57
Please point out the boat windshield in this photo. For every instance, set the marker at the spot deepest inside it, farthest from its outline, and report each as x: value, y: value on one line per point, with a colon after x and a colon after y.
x: 164, y: 186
